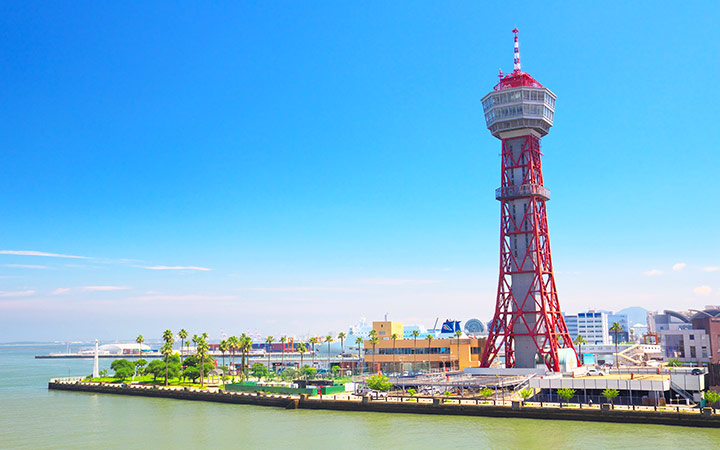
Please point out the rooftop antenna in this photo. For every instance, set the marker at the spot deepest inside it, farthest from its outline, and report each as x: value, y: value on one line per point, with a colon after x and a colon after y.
x: 517, y: 52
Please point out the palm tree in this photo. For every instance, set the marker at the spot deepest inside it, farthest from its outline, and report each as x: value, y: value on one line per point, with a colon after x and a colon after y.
x: 313, y: 341
x: 394, y: 338
x: 373, y: 341
x: 302, y: 349
x: 616, y: 328
x: 140, y: 339
x: 167, y: 350
x: 429, y: 338
x: 579, y: 341
x: 359, y: 342
x: 458, y: 333
x: 283, y: 339
x: 202, y: 348
x: 269, y: 341
x: 183, y: 334
x: 223, y: 348
x: 415, y: 334
x: 341, y: 338
x: 233, y: 343
x: 328, y: 339
x: 245, y: 345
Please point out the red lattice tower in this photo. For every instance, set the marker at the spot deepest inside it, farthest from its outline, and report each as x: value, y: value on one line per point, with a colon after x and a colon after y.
x: 528, y: 324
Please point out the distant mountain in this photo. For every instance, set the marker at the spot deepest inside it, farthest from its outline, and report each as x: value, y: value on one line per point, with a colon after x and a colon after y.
x: 636, y: 314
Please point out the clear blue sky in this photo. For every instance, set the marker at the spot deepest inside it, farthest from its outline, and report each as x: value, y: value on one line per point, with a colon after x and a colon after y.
x: 329, y: 160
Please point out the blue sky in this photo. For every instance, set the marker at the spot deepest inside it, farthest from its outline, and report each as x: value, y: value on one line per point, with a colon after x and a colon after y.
x: 289, y: 167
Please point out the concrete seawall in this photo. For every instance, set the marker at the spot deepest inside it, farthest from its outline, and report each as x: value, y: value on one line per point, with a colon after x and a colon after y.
x: 437, y: 407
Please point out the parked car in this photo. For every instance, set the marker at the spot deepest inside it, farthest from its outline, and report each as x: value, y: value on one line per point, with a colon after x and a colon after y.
x: 595, y: 372
x: 697, y: 372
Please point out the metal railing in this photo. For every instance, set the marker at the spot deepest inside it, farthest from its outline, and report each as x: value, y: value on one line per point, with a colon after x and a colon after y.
x: 523, y: 190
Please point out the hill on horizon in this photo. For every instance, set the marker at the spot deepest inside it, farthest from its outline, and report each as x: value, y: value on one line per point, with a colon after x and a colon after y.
x: 636, y: 314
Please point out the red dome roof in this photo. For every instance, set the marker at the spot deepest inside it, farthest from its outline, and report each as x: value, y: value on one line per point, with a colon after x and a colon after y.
x: 516, y: 79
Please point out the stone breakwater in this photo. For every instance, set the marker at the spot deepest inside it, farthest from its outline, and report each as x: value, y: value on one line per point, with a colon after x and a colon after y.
x: 704, y: 418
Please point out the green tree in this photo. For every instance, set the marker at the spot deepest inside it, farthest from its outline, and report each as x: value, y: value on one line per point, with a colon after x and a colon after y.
x: 191, y: 372
x: 223, y: 347
x: 458, y: 334
x: 234, y: 344
x: 201, y: 349
x: 140, y: 339
x: 308, y: 372
x: 415, y: 334
x: 565, y: 394
x: 341, y: 337
x: 183, y: 334
x: 156, y: 368
x: 289, y: 373
x: 486, y: 393
x: 394, y: 338
x: 302, y: 349
x: 123, y: 368
x: 711, y: 398
x: 429, y: 338
x: 313, y: 340
x: 579, y: 341
x: 140, y: 365
x: 610, y: 394
x: 208, y: 363
x: 259, y: 370
x: 167, y: 350
x: 359, y: 342
x: 328, y: 339
x: 616, y: 328
x: 526, y: 393
x: 373, y: 342
x: 245, y: 346
x: 283, y: 340
x: 673, y: 362
x: 269, y: 342
x: 379, y: 382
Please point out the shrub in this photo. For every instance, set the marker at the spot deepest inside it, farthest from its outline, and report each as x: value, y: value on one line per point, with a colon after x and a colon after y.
x: 379, y: 382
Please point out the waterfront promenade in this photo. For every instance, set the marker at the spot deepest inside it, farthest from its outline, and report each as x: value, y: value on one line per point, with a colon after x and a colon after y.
x: 678, y: 416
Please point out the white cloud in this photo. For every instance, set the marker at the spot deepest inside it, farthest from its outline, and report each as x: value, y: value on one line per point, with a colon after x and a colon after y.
x: 5, y: 294
x: 60, y: 291
x: 711, y: 268
x: 175, y: 298
x: 203, y: 269
x: 678, y: 266
x: 397, y: 282
x: 702, y: 290
x: 653, y: 273
x: 26, y: 266
x: 105, y: 288
x: 34, y: 253
x: 301, y: 289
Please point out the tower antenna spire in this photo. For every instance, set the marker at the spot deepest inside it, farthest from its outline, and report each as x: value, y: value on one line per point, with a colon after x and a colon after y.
x: 517, y: 52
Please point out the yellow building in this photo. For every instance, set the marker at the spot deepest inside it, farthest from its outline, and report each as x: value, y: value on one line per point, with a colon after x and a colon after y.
x: 400, y: 355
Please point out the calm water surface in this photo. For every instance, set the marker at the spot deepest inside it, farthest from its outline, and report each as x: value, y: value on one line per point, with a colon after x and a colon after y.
x: 33, y: 417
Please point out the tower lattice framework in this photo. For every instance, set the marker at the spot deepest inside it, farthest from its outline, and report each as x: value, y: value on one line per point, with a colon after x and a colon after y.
x: 528, y: 323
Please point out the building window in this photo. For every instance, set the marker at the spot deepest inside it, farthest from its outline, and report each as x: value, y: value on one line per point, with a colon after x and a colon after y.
x: 693, y: 353
x: 692, y: 337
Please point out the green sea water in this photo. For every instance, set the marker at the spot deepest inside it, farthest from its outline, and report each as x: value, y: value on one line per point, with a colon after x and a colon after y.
x: 33, y: 417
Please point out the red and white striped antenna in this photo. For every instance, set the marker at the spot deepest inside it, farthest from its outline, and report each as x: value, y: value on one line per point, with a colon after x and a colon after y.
x: 517, y: 51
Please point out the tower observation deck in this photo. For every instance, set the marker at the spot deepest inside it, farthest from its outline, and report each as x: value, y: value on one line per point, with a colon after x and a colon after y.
x: 528, y: 324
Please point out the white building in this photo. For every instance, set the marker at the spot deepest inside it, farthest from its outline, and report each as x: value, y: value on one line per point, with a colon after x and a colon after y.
x: 591, y: 325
